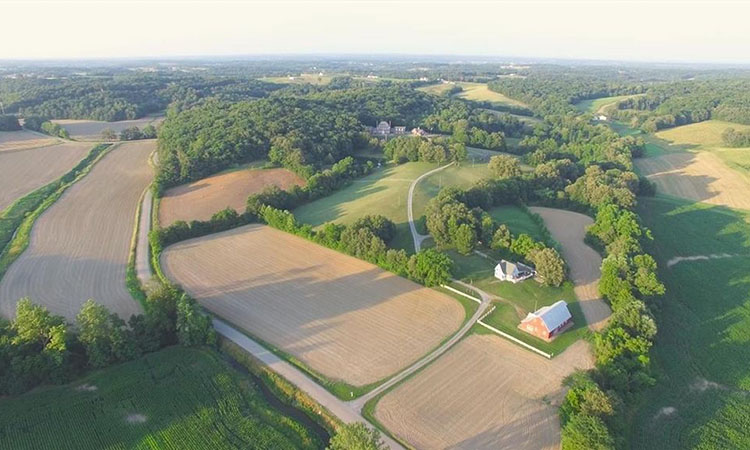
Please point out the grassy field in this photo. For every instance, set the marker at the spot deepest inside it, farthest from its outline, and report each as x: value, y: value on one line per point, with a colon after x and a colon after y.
x: 175, y: 398
x: 474, y: 91
x: 383, y: 192
x: 518, y: 220
x: 462, y: 176
x: 701, y: 356
x: 593, y: 105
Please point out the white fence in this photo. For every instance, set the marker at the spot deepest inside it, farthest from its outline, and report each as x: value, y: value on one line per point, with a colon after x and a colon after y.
x: 463, y: 294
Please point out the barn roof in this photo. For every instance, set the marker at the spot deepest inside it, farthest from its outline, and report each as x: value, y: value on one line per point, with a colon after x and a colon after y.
x: 553, y: 315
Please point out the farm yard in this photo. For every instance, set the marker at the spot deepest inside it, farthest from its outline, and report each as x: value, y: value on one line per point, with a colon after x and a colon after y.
x: 484, y: 393
x: 24, y: 139
x: 344, y: 318
x: 175, y: 398
x: 79, y: 247
x: 21, y: 171
x: 200, y: 199
x: 701, y: 355
x: 569, y: 229
x: 91, y: 130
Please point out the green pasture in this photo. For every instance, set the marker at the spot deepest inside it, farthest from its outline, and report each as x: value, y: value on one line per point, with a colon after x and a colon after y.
x: 702, y: 352
x: 175, y: 398
x: 594, y: 105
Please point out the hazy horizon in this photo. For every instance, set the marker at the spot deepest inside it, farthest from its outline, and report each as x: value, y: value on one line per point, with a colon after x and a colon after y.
x: 612, y: 31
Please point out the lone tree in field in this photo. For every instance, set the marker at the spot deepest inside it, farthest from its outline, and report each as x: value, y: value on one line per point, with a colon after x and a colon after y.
x: 356, y: 436
x: 504, y: 166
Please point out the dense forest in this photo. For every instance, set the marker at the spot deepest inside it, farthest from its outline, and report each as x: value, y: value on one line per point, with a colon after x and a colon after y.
x: 672, y: 104
x: 120, y: 97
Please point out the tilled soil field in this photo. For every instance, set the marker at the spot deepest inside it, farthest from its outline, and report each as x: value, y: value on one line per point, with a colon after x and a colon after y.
x: 22, y: 171
x: 485, y: 393
x: 200, y: 199
x: 569, y: 229
x: 79, y: 247
x: 343, y: 317
x: 699, y: 176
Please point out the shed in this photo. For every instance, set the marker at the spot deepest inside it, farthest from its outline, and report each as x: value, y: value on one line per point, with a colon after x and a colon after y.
x: 548, y: 322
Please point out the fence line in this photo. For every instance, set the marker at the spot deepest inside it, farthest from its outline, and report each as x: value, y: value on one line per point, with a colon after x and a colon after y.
x: 516, y: 340
x: 461, y: 293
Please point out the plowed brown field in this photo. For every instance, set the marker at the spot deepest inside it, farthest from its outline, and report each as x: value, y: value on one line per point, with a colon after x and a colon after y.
x: 24, y: 139
x: 485, y: 393
x: 699, y: 176
x: 569, y: 229
x: 79, y: 247
x: 200, y: 199
x: 343, y: 317
x: 91, y: 130
x: 22, y: 171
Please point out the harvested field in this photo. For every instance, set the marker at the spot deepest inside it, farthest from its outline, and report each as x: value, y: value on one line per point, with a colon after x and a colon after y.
x: 344, y: 318
x: 485, y: 393
x: 24, y: 139
x: 25, y: 170
x: 91, y: 130
x: 200, y: 199
x: 699, y: 176
x: 79, y: 247
x: 569, y: 229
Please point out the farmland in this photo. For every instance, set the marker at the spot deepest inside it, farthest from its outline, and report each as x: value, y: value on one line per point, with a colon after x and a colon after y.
x: 483, y: 393
x: 79, y: 247
x: 91, y: 130
x: 474, y: 91
x: 21, y: 171
x: 311, y: 78
x: 701, y: 353
x: 346, y: 319
x: 382, y: 192
x: 200, y: 199
x: 24, y: 139
x: 175, y: 398
x: 569, y: 229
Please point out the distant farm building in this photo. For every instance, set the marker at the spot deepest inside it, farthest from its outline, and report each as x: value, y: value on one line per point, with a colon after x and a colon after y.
x: 385, y: 129
x: 418, y: 132
x: 513, y: 272
x: 601, y: 117
x: 548, y: 322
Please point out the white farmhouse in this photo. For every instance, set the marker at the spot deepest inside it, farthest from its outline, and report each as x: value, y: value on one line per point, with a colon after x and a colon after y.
x: 513, y: 272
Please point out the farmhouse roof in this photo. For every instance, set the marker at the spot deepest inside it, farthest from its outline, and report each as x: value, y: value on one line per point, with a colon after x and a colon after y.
x: 508, y: 267
x: 553, y: 315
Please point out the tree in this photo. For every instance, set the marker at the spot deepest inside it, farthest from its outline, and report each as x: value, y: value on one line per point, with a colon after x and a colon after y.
x: 549, y: 265
x: 193, y: 327
x: 504, y: 166
x: 502, y: 238
x: 94, y: 333
x: 108, y: 134
x: 9, y: 123
x: 584, y: 432
x: 430, y: 267
x: 356, y: 436
x: 465, y: 239
x: 523, y: 245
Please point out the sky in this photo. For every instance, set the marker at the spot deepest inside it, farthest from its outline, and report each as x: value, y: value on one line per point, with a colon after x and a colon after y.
x: 651, y: 31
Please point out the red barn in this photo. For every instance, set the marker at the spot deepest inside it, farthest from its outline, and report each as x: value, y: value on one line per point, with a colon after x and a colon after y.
x: 547, y: 322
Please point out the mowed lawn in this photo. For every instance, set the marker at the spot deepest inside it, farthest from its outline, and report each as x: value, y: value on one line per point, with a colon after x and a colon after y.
x: 463, y: 176
x: 702, y: 351
x: 593, y: 105
x: 481, y: 92
x: 383, y: 192
x: 177, y: 398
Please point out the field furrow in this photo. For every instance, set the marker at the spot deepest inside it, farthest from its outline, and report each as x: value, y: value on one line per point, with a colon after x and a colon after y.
x: 79, y: 247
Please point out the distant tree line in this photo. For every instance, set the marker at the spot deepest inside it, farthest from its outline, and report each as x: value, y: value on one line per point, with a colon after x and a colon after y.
x: 413, y: 148
x: 134, y: 133
x: 44, y: 125
x: 38, y: 347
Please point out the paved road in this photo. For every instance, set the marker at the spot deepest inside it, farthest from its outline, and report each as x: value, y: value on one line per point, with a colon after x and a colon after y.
x: 418, y: 238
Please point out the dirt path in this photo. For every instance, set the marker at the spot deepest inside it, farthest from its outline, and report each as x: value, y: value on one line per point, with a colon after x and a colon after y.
x: 418, y: 238
x: 79, y: 247
x: 569, y: 229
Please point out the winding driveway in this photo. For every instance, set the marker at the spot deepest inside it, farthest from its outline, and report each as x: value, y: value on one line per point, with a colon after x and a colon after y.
x: 418, y: 238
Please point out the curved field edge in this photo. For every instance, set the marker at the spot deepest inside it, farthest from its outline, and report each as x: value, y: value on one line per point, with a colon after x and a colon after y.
x: 41, y: 199
x: 340, y: 389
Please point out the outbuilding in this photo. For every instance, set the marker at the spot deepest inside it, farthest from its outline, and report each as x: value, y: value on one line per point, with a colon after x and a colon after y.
x: 548, y: 322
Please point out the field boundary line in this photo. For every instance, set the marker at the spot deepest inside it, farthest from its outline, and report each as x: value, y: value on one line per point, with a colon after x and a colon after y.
x: 516, y: 340
x: 445, y: 286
